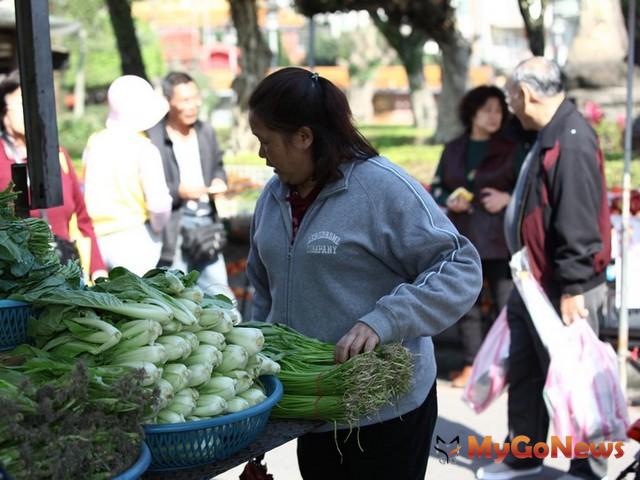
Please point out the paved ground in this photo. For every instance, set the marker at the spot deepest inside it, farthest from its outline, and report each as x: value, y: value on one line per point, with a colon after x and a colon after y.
x: 455, y: 418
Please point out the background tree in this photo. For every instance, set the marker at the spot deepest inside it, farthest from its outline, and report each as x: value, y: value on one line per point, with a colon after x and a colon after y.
x: 362, y: 51
x: 94, y: 60
x: 327, y: 47
x: 255, y: 59
x: 96, y: 69
x: 125, y: 32
x: 601, y: 24
x: 409, y: 45
x: 624, y: 4
x: 436, y: 20
x: 532, y: 12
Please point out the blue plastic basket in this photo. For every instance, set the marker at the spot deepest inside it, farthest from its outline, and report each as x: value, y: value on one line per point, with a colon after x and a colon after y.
x: 137, y: 469
x: 189, y: 444
x: 13, y: 323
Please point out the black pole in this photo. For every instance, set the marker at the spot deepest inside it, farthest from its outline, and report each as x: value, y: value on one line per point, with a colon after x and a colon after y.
x: 38, y: 100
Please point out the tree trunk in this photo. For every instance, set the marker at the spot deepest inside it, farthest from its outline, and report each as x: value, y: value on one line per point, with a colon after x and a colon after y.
x: 79, y: 88
x: 410, y: 50
x: 125, y: 32
x: 455, y: 64
x: 423, y: 103
x: 601, y: 24
x: 534, y: 26
x: 361, y: 101
x: 624, y: 5
x: 255, y: 59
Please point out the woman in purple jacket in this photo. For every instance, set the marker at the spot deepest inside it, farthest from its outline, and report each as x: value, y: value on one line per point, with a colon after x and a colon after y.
x: 473, y: 182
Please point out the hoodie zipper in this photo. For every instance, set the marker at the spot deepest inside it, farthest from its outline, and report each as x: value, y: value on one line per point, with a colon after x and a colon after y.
x: 292, y: 246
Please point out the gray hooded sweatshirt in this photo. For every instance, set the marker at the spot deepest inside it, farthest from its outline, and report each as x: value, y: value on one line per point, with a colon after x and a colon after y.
x: 373, y: 247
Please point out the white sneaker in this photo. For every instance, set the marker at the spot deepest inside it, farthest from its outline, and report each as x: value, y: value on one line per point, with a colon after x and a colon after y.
x: 502, y: 471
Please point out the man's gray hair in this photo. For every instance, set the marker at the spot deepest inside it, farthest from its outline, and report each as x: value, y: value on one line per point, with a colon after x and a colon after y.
x: 543, y: 76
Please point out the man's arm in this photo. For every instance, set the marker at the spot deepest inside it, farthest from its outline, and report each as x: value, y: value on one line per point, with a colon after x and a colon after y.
x: 575, y: 198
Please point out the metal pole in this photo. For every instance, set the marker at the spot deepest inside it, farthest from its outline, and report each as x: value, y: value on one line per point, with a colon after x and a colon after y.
x: 623, y: 327
x: 38, y: 99
x: 311, y: 55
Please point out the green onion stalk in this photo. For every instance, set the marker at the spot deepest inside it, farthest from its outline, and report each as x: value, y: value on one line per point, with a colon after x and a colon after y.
x: 315, y: 387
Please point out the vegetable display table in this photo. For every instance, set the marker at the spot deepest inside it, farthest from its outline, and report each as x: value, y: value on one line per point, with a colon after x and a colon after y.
x: 277, y: 432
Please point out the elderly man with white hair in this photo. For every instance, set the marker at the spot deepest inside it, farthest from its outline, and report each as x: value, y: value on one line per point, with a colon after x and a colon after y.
x: 559, y: 211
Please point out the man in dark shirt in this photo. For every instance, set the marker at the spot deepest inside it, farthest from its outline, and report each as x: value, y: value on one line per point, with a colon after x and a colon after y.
x: 192, y: 161
x: 559, y: 211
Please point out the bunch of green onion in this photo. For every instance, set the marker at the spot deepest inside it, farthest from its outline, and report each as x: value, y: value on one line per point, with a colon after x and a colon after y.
x: 315, y: 387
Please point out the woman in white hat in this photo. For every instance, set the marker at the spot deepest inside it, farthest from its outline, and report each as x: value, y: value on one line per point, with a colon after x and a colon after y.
x: 125, y: 189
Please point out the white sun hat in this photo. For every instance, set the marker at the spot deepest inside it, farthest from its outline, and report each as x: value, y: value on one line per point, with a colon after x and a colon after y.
x: 134, y: 104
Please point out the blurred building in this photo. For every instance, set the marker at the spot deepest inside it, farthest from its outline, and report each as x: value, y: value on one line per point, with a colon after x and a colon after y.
x: 496, y: 31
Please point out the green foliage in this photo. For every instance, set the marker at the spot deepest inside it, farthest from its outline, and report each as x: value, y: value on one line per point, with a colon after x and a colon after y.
x: 610, y: 136
x: 102, y: 61
x: 74, y: 133
x: 326, y: 47
x: 362, y: 51
x: 614, y: 168
x: 382, y: 136
x: 151, y: 50
x: 283, y: 58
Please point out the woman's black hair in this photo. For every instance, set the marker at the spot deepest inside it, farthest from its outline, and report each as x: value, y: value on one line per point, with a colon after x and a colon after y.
x: 9, y: 84
x: 475, y: 98
x: 292, y: 98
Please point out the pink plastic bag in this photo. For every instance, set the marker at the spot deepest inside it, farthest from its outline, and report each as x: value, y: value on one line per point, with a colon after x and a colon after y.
x: 582, y: 391
x: 489, y: 373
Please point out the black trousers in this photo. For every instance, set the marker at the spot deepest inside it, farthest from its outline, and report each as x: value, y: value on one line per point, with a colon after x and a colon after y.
x: 497, y: 276
x: 398, y: 448
x: 528, y: 365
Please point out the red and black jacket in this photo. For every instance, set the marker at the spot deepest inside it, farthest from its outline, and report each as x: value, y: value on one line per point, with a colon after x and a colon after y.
x: 565, y: 223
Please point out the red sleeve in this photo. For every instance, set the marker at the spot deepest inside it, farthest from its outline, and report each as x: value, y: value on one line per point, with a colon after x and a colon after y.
x: 5, y: 167
x: 84, y: 221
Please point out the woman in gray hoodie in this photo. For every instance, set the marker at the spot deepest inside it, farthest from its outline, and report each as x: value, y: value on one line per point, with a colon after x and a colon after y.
x: 346, y: 247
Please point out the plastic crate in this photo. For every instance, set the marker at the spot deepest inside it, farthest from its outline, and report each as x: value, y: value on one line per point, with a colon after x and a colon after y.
x: 189, y: 444
x: 137, y: 469
x: 13, y: 323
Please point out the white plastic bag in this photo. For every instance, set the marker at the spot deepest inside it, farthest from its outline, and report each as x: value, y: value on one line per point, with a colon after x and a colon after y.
x: 582, y: 391
x: 489, y: 372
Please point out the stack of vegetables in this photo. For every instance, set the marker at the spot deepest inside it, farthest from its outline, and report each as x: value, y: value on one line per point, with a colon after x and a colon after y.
x: 315, y: 387
x: 27, y: 261
x: 63, y: 420
x: 109, y: 357
x: 184, y: 341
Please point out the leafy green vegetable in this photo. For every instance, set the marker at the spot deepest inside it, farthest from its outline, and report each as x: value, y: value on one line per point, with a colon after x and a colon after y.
x: 127, y: 285
x: 69, y: 424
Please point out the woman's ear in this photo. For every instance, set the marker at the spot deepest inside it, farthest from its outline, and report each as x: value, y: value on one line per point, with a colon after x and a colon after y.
x: 303, y: 138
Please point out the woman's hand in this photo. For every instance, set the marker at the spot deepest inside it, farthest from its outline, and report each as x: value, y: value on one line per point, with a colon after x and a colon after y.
x: 494, y: 200
x: 458, y: 204
x: 361, y: 338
